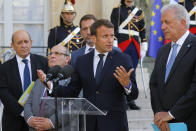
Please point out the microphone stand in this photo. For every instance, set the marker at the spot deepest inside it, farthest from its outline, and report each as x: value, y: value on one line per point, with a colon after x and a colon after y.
x: 55, y: 101
x: 55, y: 94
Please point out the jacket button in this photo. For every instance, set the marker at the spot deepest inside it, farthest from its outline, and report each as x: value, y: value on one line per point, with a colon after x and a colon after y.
x: 97, y: 92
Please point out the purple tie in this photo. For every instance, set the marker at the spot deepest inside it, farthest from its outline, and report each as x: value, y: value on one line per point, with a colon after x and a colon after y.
x: 43, y: 103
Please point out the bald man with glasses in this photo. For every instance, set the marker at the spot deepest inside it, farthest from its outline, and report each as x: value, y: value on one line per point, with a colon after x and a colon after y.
x: 42, y: 116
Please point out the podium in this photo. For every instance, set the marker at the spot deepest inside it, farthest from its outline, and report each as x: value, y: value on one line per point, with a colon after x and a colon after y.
x: 72, y: 111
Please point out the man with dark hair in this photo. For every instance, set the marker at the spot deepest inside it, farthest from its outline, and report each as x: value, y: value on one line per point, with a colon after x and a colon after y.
x: 129, y: 28
x: 105, y: 75
x: 85, y: 23
x: 87, y: 17
x: 67, y: 34
x: 15, y: 76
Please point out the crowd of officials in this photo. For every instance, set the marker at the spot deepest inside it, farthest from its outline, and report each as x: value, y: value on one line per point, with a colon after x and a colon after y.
x: 103, y: 74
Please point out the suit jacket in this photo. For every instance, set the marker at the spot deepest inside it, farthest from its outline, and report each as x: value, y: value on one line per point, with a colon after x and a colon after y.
x: 34, y: 102
x: 178, y: 93
x: 107, y: 96
x: 75, y: 54
x: 11, y: 90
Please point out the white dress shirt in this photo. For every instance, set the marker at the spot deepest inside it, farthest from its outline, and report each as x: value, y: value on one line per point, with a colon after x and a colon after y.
x: 87, y: 48
x: 179, y: 43
x: 96, y: 60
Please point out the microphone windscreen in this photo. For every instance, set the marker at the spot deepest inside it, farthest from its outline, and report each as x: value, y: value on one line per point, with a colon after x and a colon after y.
x: 67, y: 71
x: 54, y: 70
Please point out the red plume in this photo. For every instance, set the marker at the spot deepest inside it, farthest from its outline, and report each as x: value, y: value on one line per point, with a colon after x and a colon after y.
x: 73, y: 2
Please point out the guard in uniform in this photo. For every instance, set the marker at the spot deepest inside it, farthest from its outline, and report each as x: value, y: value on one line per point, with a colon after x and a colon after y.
x: 190, y: 5
x: 66, y: 34
x: 129, y: 26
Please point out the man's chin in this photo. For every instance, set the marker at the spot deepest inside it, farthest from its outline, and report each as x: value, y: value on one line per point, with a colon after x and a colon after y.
x: 109, y: 50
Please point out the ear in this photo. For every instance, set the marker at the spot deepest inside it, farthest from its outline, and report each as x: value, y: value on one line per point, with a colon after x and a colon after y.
x: 183, y: 22
x: 68, y: 59
x: 31, y: 42
x: 12, y: 45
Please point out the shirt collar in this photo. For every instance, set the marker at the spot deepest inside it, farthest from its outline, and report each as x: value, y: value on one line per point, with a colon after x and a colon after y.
x: 182, y: 39
x: 97, y: 53
x: 87, y: 47
x: 19, y: 59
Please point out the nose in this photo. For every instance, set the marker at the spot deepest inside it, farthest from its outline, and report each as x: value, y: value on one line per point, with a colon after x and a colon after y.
x: 88, y: 31
x: 163, y: 26
x: 23, y: 44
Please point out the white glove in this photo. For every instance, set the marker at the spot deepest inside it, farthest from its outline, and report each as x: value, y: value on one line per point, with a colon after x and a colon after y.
x: 143, y: 49
x: 115, y: 44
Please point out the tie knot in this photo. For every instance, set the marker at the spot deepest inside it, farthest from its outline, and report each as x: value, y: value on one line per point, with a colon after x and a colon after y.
x: 90, y: 49
x: 101, y: 56
x: 25, y: 61
x: 175, y: 45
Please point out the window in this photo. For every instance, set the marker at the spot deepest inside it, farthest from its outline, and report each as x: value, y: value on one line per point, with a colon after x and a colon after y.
x: 30, y: 15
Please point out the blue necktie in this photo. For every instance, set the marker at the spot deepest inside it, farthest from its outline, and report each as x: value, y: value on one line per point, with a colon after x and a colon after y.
x: 171, y: 60
x: 26, y: 74
x: 99, y: 68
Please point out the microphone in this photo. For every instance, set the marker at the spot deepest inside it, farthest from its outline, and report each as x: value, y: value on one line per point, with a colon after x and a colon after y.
x: 52, y: 73
x: 64, y: 73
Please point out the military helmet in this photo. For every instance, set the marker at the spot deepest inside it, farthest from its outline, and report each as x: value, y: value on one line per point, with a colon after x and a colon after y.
x: 68, y: 7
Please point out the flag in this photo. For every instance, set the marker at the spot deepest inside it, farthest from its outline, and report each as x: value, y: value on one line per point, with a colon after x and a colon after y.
x: 173, y: 2
x: 73, y: 2
x: 156, y: 34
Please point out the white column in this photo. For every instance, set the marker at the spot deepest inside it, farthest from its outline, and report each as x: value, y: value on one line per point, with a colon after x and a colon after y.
x: 107, y: 6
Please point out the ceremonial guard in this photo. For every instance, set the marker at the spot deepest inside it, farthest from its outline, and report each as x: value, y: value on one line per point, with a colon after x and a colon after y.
x: 129, y: 26
x: 190, y: 5
x: 67, y: 34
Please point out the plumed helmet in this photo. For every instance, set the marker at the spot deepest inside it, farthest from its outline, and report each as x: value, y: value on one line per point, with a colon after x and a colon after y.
x: 68, y: 7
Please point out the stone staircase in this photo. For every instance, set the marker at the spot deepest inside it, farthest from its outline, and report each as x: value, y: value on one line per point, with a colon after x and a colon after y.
x: 141, y: 120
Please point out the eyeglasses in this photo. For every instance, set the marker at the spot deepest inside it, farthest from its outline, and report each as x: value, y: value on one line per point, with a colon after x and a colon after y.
x: 57, y: 53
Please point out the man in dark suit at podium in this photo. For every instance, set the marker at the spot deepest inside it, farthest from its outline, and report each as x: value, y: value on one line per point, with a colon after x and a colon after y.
x: 173, y: 81
x: 105, y: 75
x: 15, y: 76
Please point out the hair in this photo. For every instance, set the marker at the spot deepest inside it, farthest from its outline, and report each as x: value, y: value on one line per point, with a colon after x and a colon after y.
x: 67, y: 52
x: 17, y: 31
x: 122, y: 2
x: 179, y: 11
x: 87, y: 17
x: 99, y: 23
x: 61, y: 21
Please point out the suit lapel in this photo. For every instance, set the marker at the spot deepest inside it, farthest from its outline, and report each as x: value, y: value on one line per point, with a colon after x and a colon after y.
x: 184, y: 49
x: 89, y: 63
x: 164, y: 62
x: 33, y: 67
x: 83, y: 50
x: 16, y: 75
